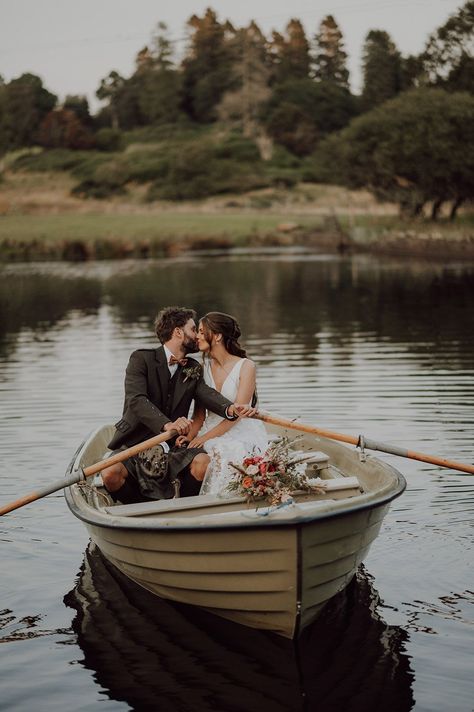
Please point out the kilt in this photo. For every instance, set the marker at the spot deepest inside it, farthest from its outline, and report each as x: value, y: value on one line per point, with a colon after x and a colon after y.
x: 153, y: 473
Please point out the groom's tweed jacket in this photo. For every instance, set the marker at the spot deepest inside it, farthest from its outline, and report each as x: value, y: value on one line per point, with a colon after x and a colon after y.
x: 152, y: 400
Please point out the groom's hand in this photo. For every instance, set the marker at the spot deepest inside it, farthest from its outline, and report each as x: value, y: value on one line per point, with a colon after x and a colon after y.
x: 242, y: 410
x: 182, y: 425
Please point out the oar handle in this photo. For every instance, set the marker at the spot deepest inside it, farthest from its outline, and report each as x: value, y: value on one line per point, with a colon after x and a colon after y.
x: 370, y: 444
x: 78, y: 475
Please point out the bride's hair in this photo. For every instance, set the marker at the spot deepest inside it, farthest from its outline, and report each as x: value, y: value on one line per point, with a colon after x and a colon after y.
x: 219, y: 323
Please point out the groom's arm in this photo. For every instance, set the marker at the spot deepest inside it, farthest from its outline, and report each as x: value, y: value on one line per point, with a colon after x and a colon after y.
x: 214, y: 401
x: 136, y: 394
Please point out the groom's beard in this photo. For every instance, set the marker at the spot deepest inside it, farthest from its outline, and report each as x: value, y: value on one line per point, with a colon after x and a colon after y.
x: 190, y: 346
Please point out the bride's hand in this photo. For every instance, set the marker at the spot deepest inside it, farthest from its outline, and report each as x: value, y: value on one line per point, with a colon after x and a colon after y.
x: 244, y: 410
x: 198, y: 441
x: 182, y: 441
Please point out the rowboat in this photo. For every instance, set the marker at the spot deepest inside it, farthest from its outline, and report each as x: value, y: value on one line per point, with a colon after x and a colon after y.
x: 267, y: 567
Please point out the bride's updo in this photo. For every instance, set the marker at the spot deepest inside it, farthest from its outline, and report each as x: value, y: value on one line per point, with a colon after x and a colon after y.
x: 219, y: 323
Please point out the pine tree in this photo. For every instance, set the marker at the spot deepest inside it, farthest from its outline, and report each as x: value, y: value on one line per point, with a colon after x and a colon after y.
x: 381, y: 63
x: 330, y: 58
x: 109, y: 90
x: 290, y: 53
x: 207, y: 67
x: 157, y: 82
x: 241, y: 106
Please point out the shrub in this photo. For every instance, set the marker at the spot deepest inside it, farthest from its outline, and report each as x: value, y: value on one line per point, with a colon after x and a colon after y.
x: 108, y: 139
x: 238, y: 148
x: 144, y: 167
x: 59, y: 159
x: 86, y: 168
x: 99, y: 191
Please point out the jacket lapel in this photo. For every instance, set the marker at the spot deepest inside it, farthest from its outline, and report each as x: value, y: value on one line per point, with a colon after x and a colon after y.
x: 163, y: 371
x: 180, y: 387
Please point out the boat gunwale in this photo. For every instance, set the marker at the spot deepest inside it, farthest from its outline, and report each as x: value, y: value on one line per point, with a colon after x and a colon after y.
x: 340, y: 509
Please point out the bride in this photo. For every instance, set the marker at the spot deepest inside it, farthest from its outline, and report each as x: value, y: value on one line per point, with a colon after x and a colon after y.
x: 229, y: 371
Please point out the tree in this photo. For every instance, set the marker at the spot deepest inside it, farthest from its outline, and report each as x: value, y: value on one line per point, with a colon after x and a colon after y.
x: 162, y: 49
x: 409, y: 150
x: 123, y: 100
x: 381, y: 64
x: 207, y: 66
x: 61, y: 128
x: 80, y: 106
x: 323, y: 106
x: 157, y: 82
x: 109, y: 90
x: 26, y: 102
x: 448, y: 59
x: 290, y: 53
x: 411, y: 68
x: 4, y: 134
x: 330, y: 58
x: 293, y: 128
x: 242, y: 106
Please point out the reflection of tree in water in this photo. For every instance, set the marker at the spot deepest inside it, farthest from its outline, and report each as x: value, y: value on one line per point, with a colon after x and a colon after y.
x: 156, y: 654
x: 38, y: 301
x: 424, y: 308
x: 406, y: 304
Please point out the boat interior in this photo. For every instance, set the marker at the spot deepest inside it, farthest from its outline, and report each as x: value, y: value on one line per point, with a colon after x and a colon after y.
x: 337, y: 470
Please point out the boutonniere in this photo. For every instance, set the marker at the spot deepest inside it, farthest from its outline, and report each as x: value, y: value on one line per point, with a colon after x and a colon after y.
x: 192, y: 373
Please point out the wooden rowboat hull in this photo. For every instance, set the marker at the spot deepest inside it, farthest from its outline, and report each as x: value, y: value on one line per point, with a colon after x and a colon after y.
x: 197, y: 660
x: 264, y: 568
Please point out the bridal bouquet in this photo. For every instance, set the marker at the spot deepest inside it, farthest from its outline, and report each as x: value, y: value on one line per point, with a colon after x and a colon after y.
x: 274, y: 475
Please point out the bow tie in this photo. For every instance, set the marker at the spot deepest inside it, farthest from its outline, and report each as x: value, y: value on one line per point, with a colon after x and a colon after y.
x: 180, y: 361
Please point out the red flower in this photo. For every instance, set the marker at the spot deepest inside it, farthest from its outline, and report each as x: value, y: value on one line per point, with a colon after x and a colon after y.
x: 247, y: 482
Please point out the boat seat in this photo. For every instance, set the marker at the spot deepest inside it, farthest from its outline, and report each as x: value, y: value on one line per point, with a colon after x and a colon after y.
x: 336, y: 488
x: 169, y: 506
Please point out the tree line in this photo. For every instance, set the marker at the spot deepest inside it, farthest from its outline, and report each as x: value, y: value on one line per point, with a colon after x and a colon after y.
x: 407, y: 135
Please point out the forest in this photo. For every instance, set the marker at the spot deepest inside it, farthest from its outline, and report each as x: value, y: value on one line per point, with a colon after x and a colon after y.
x: 241, y: 110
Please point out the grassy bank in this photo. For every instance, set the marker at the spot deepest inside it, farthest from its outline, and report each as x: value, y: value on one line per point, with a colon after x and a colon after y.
x: 389, y: 235
x: 41, y: 220
x: 77, y: 237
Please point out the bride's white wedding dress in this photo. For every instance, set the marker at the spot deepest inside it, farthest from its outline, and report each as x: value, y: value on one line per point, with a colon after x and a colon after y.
x: 246, y: 437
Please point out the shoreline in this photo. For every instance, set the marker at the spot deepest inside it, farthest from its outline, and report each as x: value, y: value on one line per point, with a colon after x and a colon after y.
x: 41, y: 221
x: 70, y: 238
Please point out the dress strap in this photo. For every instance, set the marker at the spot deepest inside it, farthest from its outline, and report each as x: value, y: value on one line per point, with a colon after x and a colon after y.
x: 238, y: 366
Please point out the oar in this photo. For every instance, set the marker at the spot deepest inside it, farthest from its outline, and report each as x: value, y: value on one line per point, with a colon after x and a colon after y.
x: 364, y: 442
x: 79, y: 475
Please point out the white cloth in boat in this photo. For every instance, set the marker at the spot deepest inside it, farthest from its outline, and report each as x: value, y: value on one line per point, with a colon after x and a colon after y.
x: 247, y: 436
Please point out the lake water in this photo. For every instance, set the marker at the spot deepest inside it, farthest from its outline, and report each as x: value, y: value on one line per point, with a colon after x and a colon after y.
x: 356, y: 345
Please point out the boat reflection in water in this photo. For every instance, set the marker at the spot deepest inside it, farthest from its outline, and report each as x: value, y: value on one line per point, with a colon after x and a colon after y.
x: 154, y: 654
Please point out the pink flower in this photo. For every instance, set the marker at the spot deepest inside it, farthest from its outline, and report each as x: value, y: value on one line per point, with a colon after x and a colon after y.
x: 252, y: 470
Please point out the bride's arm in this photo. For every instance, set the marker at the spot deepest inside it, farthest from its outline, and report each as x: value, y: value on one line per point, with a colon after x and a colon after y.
x: 245, y: 393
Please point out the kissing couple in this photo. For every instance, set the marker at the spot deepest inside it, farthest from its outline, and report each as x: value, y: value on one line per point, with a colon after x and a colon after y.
x: 161, y: 385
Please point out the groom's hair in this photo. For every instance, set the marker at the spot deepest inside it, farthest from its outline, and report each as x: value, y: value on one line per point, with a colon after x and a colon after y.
x: 170, y: 318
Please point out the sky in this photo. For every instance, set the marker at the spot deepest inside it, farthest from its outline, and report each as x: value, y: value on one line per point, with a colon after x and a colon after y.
x: 73, y: 44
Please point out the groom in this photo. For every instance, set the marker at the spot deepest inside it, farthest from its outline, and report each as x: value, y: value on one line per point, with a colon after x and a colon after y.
x: 160, y: 385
